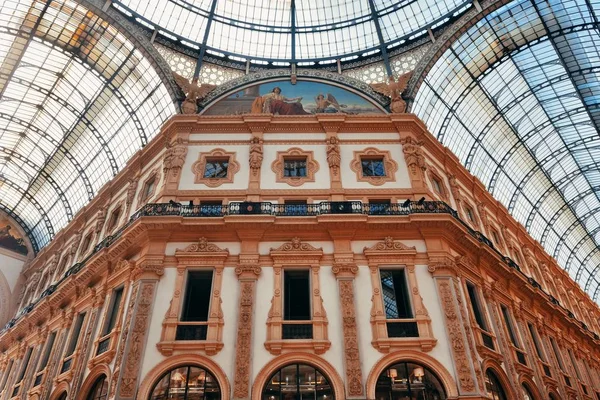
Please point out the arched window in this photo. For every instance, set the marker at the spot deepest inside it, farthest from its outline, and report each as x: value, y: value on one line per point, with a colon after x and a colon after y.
x: 99, y: 390
x: 555, y: 397
x: 494, y: 389
x: 409, y: 381
x: 63, y: 396
x: 187, y: 382
x: 296, y: 382
x: 527, y: 392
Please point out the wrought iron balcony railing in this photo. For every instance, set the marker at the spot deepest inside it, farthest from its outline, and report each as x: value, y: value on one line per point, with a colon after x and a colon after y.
x: 286, y: 210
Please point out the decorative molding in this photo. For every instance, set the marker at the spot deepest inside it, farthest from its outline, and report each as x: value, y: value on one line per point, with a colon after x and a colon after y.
x: 147, y: 384
x: 142, y: 199
x: 198, y: 168
x: 243, y: 348
x: 203, y: 247
x: 457, y: 336
x: 123, y: 337
x: 312, y: 166
x: 415, y: 160
x: 432, y: 173
x: 391, y: 166
x: 418, y: 357
x: 295, y: 245
x: 351, y: 349
x: 277, y: 363
x: 137, y: 340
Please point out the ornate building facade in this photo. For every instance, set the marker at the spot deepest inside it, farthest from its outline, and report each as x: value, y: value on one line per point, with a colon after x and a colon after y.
x: 328, y: 256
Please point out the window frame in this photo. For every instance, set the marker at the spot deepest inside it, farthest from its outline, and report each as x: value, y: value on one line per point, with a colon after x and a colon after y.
x: 201, y: 256
x: 394, y: 255
x: 278, y: 166
x: 199, y: 167
x: 390, y: 166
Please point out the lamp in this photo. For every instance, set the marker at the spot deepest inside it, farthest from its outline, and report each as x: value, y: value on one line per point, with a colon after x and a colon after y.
x: 419, y: 373
x: 392, y: 373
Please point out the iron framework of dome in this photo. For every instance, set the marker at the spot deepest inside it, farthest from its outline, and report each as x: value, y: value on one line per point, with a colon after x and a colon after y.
x: 77, y: 100
x: 517, y: 99
x: 277, y: 32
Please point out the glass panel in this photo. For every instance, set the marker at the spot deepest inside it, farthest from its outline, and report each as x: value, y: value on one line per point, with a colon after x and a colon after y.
x: 216, y: 168
x: 373, y: 167
x: 402, y: 381
x: 298, y: 381
x: 186, y: 383
x: 293, y: 167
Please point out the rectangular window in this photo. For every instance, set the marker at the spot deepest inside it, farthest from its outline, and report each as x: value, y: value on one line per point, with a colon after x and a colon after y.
x: 437, y: 185
x: 470, y: 214
x: 6, y: 375
x: 557, y: 354
x: 536, y: 341
x: 114, y: 219
x: 296, y: 291
x: 509, y: 326
x: 24, y: 365
x: 197, y: 296
x: 373, y: 166
x: 575, y: 366
x: 47, y: 351
x: 475, y: 306
x: 216, y: 168
x: 75, y: 334
x: 148, y: 189
x: 294, y: 167
x: 113, y: 311
x: 495, y: 237
x: 86, y: 243
x: 395, y: 294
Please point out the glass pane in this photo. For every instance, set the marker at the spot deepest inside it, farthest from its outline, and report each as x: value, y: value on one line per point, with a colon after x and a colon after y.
x: 178, y: 383
x: 373, y: 167
x: 216, y: 169
x: 161, y: 388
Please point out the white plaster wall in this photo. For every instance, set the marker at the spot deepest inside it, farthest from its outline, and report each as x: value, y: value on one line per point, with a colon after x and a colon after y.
x: 290, y: 137
x: 268, y: 177
x: 363, y: 292
x: 240, y: 179
x: 162, y: 299
x: 230, y: 294
x: 369, y: 135
x: 331, y: 302
x: 431, y: 300
x: 10, y: 267
x: 222, y: 137
x: 349, y: 179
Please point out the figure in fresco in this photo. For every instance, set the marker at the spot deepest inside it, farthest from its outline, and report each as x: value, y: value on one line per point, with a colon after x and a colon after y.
x: 276, y: 103
x: 9, y: 241
x: 324, y: 102
x: 393, y: 89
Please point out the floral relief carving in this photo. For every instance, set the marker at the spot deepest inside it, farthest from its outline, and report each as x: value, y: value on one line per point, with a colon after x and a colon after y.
x: 457, y: 340
x: 296, y: 245
x: 137, y: 340
x: 85, y: 345
x: 123, y: 338
x: 390, y: 166
x: 199, y: 167
x: 389, y: 244
x: 312, y: 166
x: 203, y: 247
x: 243, y: 347
x: 351, y: 352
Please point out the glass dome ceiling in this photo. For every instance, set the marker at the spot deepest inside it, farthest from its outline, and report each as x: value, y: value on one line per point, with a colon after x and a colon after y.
x: 517, y: 99
x: 290, y: 30
x: 77, y: 100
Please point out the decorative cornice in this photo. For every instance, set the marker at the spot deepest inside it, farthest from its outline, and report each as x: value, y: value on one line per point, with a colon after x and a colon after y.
x: 202, y: 247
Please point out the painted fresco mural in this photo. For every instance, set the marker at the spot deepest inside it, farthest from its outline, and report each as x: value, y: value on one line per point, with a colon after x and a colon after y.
x: 285, y: 98
x: 10, y: 238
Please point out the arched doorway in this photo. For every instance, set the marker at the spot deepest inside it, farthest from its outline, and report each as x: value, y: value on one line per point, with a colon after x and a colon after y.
x: 298, y: 382
x: 527, y: 393
x: 99, y: 390
x: 493, y: 387
x: 186, y: 382
x: 410, y: 381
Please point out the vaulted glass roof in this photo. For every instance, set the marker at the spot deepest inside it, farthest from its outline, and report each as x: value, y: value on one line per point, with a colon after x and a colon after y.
x: 517, y: 99
x: 292, y: 30
x: 77, y: 100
